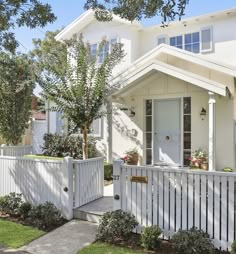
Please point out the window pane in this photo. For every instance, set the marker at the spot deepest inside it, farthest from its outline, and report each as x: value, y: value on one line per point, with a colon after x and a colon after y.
x: 187, y: 123
x: 148, y: 140
x: 149, y: 107
x: 195, y: 37
x: 187, y: 105
x: 188, y: 47
x: 161, y: 40
x: 187, y: 140
x: 187, y: 38
x: 148, y: 156
x: 172, y: 41
x: 196, y: 47
x: 180, y: 47
x: 206, y: 39
x: 187, y: 155
x: 148, y: 123
x: 179, y: 40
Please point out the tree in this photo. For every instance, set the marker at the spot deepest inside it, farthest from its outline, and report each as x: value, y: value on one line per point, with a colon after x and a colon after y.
x: 81, y: 95
x: 50, y: 57
x: 18, y: 13
x: 17, y: 81
x: 137, y: 9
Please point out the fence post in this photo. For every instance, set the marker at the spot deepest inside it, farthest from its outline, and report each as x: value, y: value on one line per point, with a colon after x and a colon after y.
x: 117, y: 184
x: 67, y: 188
x: 2, y: 150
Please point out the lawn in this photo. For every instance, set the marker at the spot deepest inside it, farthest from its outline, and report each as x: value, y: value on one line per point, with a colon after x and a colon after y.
x: 104, y: 248
x: 15, y: 235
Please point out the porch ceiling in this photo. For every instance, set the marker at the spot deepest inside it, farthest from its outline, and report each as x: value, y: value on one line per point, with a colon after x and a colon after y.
x: 195, y: 69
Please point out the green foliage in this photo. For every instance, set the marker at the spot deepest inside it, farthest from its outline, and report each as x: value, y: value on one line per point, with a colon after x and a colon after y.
x: 150, y: 238
x: 18, y: 13
x: 62, y: 146
x: 137, y: 9
x: 108, y: 171
x: 233, y: 247
x: 11, y: 203
x: 192, y: 241
x: 17, y: 81
x: 116, y: 226
x: 24, y: 209
x: 83, y: 91
x: 50, y: 57
x: 45, y: 216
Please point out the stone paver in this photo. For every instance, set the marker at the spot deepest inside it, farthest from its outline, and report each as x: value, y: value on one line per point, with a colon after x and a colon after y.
x: 68, y: 239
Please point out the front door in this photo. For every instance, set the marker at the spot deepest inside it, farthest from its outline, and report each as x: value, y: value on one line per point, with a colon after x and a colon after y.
x: 167, y: 134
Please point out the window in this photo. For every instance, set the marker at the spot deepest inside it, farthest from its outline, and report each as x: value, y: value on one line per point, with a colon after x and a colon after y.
x: 148, y: 132
x: 161, y: 40
x: 96, y: 128
x: 192, y: 42
x: 176, y: 41
x: 105, y: 50
x: 206, y: 39
x: 187, y: 130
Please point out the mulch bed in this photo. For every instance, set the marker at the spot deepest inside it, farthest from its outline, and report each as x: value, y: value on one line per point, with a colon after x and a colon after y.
x: 166, y: 247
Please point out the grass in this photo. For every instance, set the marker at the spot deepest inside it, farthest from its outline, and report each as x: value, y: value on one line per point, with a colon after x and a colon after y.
x: 42, y: 157
x: 104, y: 248
x: 14, y: 235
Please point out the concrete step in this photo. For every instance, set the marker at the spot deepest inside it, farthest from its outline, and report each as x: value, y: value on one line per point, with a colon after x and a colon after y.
x: 94, y: 210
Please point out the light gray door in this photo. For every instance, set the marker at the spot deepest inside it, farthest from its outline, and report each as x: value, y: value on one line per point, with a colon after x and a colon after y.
x: 167, y: 134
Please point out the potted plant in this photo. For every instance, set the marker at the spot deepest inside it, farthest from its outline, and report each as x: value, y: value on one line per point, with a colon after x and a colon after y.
x: 132, y: 156
x: 199, y: 159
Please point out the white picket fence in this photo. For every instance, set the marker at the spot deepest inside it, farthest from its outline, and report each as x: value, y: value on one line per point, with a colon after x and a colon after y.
x: 89, y: 180
x: 178, y: 199
x: 15, y: 151
x: 42, y: 180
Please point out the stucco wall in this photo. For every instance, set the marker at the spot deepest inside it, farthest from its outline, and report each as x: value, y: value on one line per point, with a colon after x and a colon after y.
x: 129, y: 132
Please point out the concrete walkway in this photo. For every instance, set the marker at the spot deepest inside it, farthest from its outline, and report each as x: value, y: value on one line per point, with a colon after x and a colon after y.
x: 4, y: 250
x: 68, y: 239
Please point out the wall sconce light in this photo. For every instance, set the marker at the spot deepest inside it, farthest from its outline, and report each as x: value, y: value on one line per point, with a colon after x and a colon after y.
x: 131, y: 111
x: 203, y: 113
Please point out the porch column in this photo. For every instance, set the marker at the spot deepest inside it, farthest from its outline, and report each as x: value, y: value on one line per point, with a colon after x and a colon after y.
x: 212, y: 132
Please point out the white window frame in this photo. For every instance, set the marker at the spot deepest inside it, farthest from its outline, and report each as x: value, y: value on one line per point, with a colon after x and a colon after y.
x: 200, y: 38
x: 211, y: 42
x: 99, y: 134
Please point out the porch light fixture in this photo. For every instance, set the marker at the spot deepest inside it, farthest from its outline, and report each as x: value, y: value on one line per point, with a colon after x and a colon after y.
x: 203, y: 114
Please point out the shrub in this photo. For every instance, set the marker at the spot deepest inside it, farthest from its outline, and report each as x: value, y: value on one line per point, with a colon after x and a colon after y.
x: 108, y: 171
x: 24, y: 209
x: 61, y: 146
x: 116, y: 226
x: 192, y: 241
x: 233, y: 248
x: 11, y: 203
x: 46, y: 216
x: 150, y: 238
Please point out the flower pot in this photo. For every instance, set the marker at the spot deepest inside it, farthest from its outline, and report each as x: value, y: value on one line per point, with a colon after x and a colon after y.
x: 204, y: 166
x: 133, y: 159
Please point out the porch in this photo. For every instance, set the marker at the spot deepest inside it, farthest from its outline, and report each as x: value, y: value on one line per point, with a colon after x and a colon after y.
x: 179, y: 102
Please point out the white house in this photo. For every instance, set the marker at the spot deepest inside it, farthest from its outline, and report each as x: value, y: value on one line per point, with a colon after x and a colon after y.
x: 176, y: 88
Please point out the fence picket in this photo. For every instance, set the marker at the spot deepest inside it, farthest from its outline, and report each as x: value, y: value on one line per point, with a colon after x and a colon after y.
x: 179, y: 198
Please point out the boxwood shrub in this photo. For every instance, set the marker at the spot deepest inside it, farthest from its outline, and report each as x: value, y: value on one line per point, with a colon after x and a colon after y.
x: 108, y: 171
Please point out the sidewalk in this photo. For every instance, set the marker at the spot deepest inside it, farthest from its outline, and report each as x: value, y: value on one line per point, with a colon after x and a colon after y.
x: 68, y: 239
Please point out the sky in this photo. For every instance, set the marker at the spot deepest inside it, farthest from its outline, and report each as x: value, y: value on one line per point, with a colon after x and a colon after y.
x: 68, y: 10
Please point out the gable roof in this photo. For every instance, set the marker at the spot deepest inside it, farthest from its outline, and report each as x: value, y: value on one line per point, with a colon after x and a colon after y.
x: 85, y: 19
x: 158, y: 59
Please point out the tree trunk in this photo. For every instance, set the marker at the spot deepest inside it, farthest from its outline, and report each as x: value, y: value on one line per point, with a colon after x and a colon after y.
x: 85, y: 143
